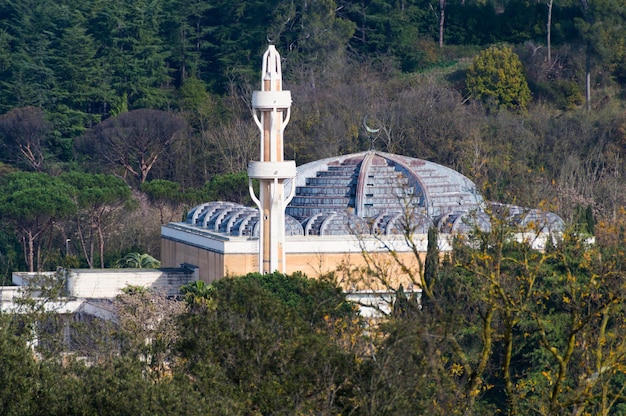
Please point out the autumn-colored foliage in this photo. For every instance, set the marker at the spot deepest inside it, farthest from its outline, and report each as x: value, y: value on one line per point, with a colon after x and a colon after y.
x: 497, y: 78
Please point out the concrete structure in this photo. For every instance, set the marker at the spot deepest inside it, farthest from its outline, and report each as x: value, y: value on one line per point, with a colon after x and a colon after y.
x: 84, y: 289
x: 108, y: 283
x: 327, y: 223
x: 218, y: 255
x: 84, y: 295
x: 343, y: 207
x: 271, y: 109
x: 333, y: 215
x: 343, y: 214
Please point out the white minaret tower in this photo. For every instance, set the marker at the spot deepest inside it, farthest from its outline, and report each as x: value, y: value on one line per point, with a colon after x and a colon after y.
x: 271, y: 110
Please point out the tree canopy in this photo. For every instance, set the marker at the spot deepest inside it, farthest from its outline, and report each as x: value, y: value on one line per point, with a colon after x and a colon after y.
x: 497, y: 78
x: 500, y: 328
x: 135, y: 140
x: 32, y: 203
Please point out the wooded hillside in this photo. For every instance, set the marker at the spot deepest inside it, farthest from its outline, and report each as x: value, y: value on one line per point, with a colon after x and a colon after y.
x: 157, y: 93
x: 117, y: 116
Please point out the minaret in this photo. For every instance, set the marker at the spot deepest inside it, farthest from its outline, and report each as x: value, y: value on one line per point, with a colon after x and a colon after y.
x: 271, y: 110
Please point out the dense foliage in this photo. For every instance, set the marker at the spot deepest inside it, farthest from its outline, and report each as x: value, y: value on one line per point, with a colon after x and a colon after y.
x: 499, y: 329
x: 118, y: 116
x: 496, y: 77
x: 252, y: 345
x: 157, y: 94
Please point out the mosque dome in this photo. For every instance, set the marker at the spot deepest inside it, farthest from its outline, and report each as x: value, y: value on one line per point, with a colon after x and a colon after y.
x: 325, y: 204
x: 372, y: 183
x: 371, y: 192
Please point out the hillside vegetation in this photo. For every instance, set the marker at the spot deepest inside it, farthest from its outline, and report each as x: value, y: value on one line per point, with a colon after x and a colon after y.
x: 117, y: 116
x: 524, y: 97
x: 499, y: 328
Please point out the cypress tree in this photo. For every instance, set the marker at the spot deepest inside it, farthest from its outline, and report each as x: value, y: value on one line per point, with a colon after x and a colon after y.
x: 431, y: 265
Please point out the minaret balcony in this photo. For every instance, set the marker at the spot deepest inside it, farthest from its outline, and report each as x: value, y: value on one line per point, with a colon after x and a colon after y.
x: 269, y: 100
x: 272, y: 170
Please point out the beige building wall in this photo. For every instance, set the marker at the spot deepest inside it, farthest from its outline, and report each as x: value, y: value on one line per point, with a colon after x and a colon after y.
x: 354, y: 270
x: 210, y: 264
x: 240, y: 264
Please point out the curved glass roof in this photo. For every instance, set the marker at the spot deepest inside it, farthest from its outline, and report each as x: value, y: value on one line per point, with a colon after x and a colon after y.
x: 371, y: 183
x: 373, y: 192
x: 335, y: 223
x: 399, y: 223
x: 234, y: 219
x: 463, y: 222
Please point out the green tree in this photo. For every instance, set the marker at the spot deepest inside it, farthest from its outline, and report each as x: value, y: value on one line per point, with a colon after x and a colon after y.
x: 133, y: 50
x: 33, y: 203
x: 316, y: 40
x: 228, y: 187
x: 505, y: 328
x: 431, y: 262
x: 147, y: 331
x: 164, y: 195
x: 83, y: 95
x: 602, y: 29
x: 195, y: 158
x: 197, y: 295
x: 394, y: 29
x: 497, y: 78
x: 278, y: 342
x: 186, y: 25
x: 18, y: 367
x: 9, y: 252
x: 123, y: 385
x: 29, y: 81
x: 99, y: 199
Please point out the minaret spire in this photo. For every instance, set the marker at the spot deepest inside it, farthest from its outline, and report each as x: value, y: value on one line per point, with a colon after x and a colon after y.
x: 271, y: 108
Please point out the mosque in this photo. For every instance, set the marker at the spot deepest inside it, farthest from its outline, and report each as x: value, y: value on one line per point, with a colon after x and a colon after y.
x: 363, y: 216
x: 333, y: 215
x: 343, y: 206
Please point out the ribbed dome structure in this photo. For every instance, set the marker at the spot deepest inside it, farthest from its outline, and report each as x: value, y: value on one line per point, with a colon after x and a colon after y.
x: 372, y: 183
x: 234, y: 219
x: 334, y: 210
x: 397, y: 222
x: 335, y: 223
x: 536, y: 220
x: 378, y: 193
x: 463, y: 222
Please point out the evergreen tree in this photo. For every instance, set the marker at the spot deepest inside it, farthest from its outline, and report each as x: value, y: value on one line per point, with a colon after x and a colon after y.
x: 30, y: 27
x: 133, y: 51
x: 393, y: 29
x: 83, y: 95
x: 32, y: 203
x: 187, y: 30
x: 277, y: 341
x: 431, y: 263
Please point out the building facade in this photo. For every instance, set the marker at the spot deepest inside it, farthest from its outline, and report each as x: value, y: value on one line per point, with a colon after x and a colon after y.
x: 344, y: 207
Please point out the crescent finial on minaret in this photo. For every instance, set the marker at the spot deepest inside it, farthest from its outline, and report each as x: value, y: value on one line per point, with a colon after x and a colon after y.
x: 368, y: 128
